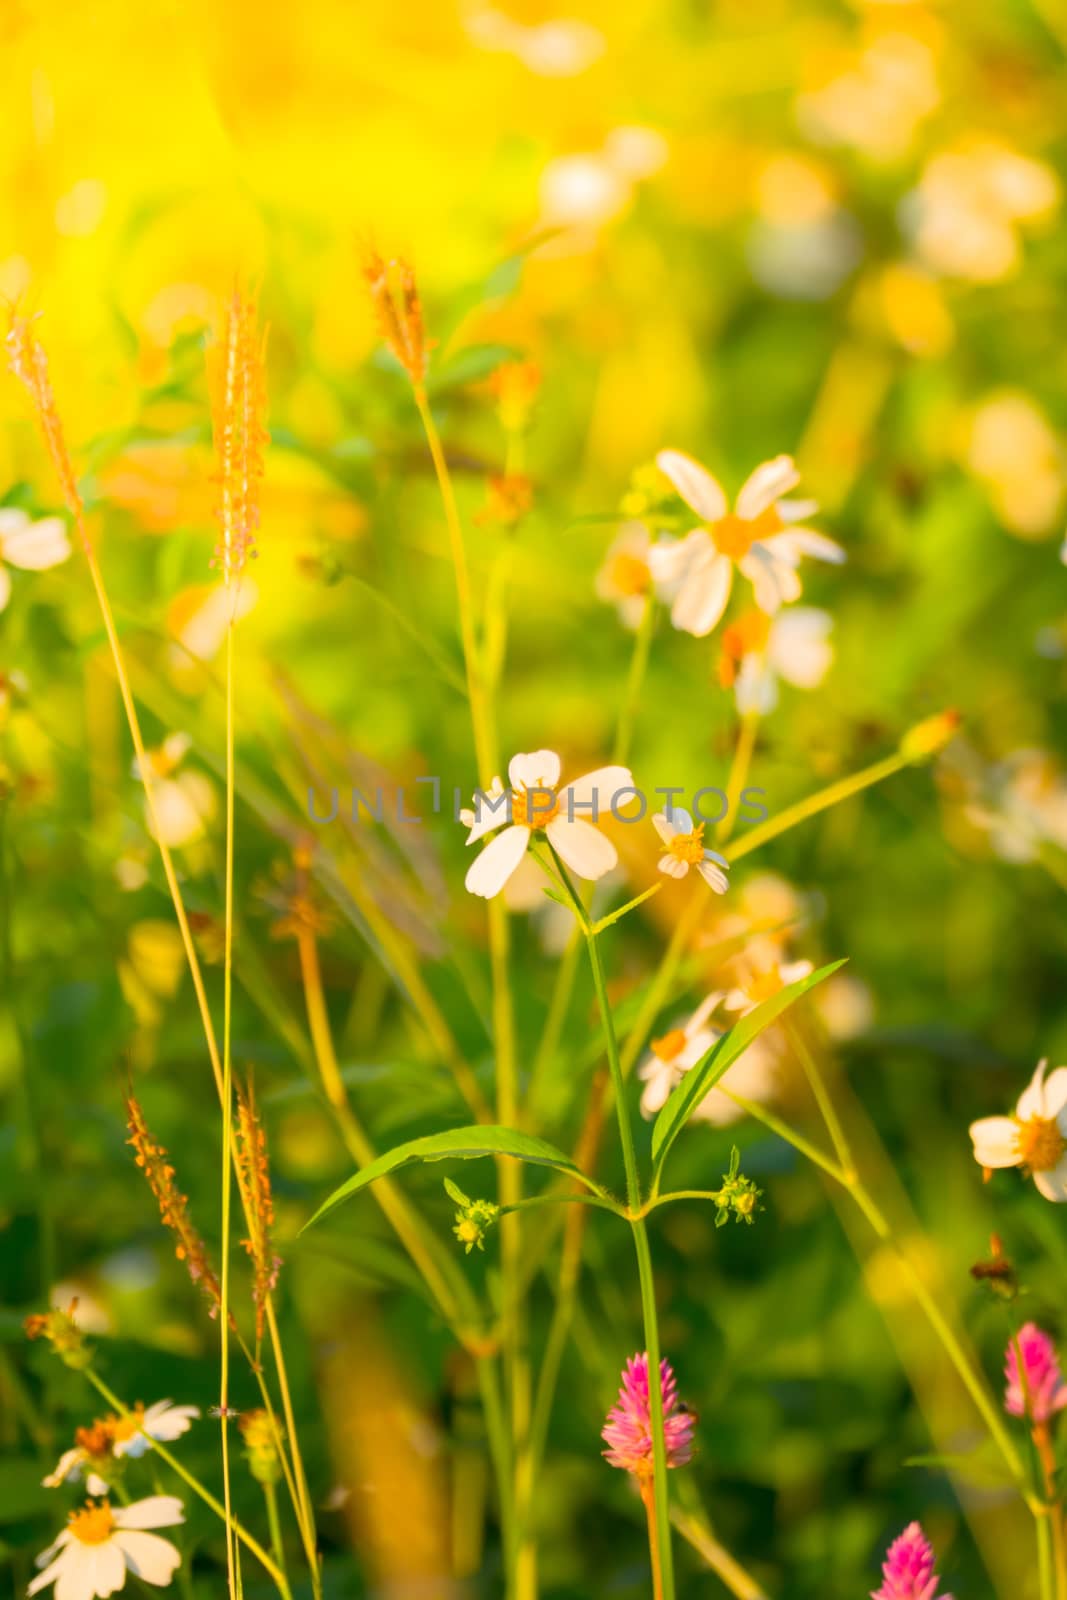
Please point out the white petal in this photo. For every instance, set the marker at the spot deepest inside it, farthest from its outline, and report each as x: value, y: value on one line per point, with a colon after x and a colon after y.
x: 68, y: 1466
x: 756, y: 687
x: 492, y: 809
x: 660, y: 1080
x: 600, y: 786
x: 12, y: 521
x: 53, y: 1572
x: 702, y: 597
x: 149, y: 1557
x: 671, y: 561
x: 1056, y: 1092
x: 664, y: 826
x: 672, y: 866
x: 5, y: 587
x: 996, y: 1142
x: 799, y: 647
x: 713, y: 876
x: 537, y: 770
x: 681, y: 818
x: 797, y: 510
x: 586, y: 850
x: 694, y: 483
x: 95, y: 1484
x: 696, y: 1047
x: 39, y: 546
x: 75, y: 1578
x: 155, y: 1511
x: 793, y: 971
x: 804, y: 542
x: 164, y: 1421
x: 770, y: 481
x: 1032, y: 1099
x: 488, y: 875
x: 703, y: 1011
x: 109, y: 1573
x: 774, y: 583
x: 1053, y: 1185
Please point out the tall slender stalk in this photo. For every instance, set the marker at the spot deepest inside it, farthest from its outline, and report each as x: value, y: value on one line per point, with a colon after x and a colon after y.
x: 227, y: 1124
x: 522, y: 1557
x: 660, y: 1543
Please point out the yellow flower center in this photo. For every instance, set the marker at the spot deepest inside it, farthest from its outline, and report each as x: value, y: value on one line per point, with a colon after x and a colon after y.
x: 122, y: 1428
x: 734, y: 536
x: 534, y: 810
x: 1041, y: 1144
x: 94, y: 1525
x: 671, y: 1045
x: 629, y: 574
x: 688, y: 847
x: 764, y: 985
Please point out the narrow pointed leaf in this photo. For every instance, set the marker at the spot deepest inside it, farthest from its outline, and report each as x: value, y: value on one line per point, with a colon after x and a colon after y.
x: 723, y: 1053
x: 457, y: 1144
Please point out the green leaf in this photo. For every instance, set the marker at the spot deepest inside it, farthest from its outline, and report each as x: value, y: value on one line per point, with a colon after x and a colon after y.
x: 458, y: 1144
x: 723, y: 1053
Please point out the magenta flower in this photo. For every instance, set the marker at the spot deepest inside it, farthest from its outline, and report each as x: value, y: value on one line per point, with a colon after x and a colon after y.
x: 908, y: 1570
x: 628, y: 1430
x: 1039, y: 1392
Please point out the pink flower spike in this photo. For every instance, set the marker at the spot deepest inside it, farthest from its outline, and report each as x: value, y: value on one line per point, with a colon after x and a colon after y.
x: 908, y: 1570
x: 628, y: 1430
x: 1039, y: 1391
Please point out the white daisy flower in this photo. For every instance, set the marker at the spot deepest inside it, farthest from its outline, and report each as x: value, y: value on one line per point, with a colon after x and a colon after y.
x: 671, y: 1057
x: 757, y: 650
x: 1035, y: 1138
x: 95, y: 1447
x: 163, y: 1421
x: 764, y: 983
x: 536, y: 803
x: 685, y: 848
x: 763, y: 537
x: 754, y: 1075
x: 101, y: 1543
x: 31, y: 546
x: 625, y: 577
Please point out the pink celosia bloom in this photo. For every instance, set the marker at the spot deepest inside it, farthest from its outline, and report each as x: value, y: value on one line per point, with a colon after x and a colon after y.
x: 908, y: 1570
x: 1039, y: 1391
x: 628, y: 1430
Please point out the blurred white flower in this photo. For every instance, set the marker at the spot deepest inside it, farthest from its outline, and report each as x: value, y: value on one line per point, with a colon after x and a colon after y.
x: 561, y: 48
x: 30, y: 546
x: 804, y: 260
x: 684, y: 840
x: 625, y: 578
x: 537, y: 804
x: 101, y: 1543
x: 671, y: 1057
x: 1016, y: 456
x: 763, y: 537
x: 966, y: 213
x: 1021, y: 803
x: 184, y: 801
x: 1035, y: 1138
x: 879, y: 100
x: 757, y: 650
x: 845, y: 1005
x: 583, y: 190
x: 200, y: 616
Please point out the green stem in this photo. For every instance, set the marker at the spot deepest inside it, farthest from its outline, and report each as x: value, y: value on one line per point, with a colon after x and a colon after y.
x: 265, y: 1560
x: 635, y: 682
x: 661, y: 1546
x: 271, y: 1497
x: 227, y: 1126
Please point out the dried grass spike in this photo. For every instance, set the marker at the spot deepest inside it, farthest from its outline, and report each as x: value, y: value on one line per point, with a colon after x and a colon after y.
x: 253, y: 1174
x: 395, y: 296
x: 152, y: 1158
x: 29, y: 363
x: 240, y: 404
